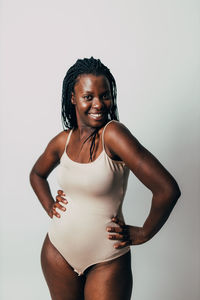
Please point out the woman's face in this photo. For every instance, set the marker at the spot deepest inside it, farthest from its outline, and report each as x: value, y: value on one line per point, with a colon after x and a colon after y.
x: 92, y: 99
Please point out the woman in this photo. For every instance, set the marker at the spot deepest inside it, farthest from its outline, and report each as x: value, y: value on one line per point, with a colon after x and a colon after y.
x: 86, y: 253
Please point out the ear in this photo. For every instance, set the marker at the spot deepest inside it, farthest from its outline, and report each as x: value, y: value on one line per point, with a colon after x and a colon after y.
x: 73, y: 100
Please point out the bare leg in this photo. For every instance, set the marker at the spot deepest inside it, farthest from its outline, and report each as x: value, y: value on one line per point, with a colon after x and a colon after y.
x: 63, y: 282
x: 110, y: 280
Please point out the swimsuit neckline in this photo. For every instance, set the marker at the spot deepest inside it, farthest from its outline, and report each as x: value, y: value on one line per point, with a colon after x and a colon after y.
x: 79, y: 163
x: 92, y: 162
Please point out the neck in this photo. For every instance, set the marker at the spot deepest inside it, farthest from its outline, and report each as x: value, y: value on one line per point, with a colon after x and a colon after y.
x: 84, y: 131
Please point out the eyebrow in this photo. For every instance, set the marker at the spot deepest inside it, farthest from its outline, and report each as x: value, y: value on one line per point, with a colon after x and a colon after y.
x: 90, y: 92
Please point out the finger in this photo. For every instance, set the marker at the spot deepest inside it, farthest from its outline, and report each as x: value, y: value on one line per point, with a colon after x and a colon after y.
x: 61, y: 199
x: 60, y: 192
x: 117, y: 229
x: 55, y: 213
x: 122, y: 244
x: 116, y: 220
x: 116, y: 237
x: 58, y: 205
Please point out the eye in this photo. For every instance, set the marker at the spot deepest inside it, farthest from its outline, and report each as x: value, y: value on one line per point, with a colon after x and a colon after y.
x: 106, y: 96
x: 87, y: 97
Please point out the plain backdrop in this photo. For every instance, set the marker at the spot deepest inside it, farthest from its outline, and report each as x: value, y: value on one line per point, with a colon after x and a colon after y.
x: 152, y: 48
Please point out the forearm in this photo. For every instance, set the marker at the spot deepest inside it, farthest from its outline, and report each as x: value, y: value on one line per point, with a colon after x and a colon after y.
x: 161, y: 207
x: 42, y: 190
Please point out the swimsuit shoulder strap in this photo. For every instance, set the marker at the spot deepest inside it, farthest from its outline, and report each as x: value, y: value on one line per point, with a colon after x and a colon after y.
x: 103, y: 133
x: 68, y: 138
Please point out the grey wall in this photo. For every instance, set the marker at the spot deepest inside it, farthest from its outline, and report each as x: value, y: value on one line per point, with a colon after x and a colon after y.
x: 152, y: 48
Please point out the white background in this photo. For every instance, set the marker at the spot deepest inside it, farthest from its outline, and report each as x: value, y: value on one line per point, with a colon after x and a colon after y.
x: 152, y: 49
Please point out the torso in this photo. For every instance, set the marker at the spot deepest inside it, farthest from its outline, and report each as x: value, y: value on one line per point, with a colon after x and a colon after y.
x: 95, y: 192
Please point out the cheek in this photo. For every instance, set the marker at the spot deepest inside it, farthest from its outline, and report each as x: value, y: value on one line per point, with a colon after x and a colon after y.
x: 83, y: 105
x: 109, y: 105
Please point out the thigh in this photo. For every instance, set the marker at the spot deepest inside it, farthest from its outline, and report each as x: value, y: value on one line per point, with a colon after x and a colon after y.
x: 62, y: 280
x: 110, y: 280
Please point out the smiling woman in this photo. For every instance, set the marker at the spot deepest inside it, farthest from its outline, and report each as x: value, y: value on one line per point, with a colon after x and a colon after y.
x: 86, y: 252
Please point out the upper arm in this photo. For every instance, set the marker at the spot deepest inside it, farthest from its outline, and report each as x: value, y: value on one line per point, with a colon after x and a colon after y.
x: 50, y: 158
x: 139, y: 160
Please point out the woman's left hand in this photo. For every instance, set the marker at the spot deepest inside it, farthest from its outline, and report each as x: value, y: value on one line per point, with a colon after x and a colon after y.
x: 127, y: 234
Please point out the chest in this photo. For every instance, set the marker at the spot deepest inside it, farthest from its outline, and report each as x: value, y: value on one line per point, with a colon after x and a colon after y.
x: 101, y: 177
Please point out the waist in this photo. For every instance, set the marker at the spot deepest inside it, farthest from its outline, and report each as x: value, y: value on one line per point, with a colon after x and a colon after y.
x: 101, y: 206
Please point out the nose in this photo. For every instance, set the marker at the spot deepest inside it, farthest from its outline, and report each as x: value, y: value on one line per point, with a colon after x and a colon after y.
x: 97, y: 103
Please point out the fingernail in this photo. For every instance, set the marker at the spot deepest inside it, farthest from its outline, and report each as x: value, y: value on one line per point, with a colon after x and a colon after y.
x: 64, y: 194
x: 108, y: 229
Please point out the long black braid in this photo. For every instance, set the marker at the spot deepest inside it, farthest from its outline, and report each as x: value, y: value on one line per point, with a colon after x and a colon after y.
x: 85, y: 66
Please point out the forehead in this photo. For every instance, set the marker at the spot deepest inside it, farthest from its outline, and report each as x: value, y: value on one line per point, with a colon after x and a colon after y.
x: 91, y: 82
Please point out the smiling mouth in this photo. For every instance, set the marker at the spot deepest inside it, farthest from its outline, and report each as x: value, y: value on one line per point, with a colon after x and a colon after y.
x: 96, y: 116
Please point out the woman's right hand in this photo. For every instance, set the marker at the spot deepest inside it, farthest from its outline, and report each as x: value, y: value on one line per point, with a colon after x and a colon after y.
x: 59, y: 199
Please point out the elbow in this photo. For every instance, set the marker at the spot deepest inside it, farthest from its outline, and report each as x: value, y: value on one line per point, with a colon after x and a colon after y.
x: 31, y: 177
x: 34, y: 176
x: 173, y: 193
x: 176, y: 192
x: 168, y: 196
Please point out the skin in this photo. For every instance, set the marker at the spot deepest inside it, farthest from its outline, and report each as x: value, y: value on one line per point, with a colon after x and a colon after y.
x: 100, y: 281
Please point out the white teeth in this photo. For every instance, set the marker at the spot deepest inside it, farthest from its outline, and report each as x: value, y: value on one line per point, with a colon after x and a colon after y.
x: 96, y: 115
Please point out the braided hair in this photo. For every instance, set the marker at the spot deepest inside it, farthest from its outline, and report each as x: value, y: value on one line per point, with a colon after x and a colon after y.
x: 85, y: 66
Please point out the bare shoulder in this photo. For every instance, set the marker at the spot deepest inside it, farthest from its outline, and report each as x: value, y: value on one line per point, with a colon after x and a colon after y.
x: 117, y: 133
x: 116, y: 127
x: 57, y: 143
x: 121, y: 143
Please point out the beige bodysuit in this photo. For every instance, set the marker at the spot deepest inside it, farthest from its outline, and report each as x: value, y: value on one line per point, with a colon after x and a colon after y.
x: 95, y: 192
